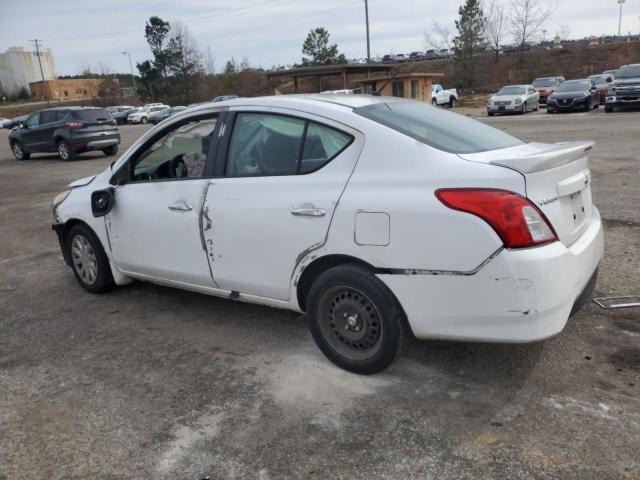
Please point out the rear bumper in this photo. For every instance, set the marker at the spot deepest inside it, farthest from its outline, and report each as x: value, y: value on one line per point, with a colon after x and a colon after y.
x: 99, y: 144
x: 519, y: 296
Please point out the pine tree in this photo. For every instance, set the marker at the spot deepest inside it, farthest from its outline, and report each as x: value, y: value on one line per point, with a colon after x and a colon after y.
x: 470, y: 41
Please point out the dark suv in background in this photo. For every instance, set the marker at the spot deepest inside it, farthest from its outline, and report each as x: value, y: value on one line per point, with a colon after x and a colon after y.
x: 66, y: 130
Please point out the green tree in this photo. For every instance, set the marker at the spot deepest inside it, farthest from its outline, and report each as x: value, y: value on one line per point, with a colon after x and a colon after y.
x: 470, y: 41
x: 230, y: 73
x: 156, y: 31
x: 317, y: 51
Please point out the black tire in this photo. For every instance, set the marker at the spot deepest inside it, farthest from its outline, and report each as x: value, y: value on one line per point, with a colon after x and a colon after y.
x: 109, y: 151
x: 355, y: 319
x: 608, y: 108
x: 103, y: 281
x: 19, y: 152
x: 434, y: 102
x: 65, y: 152
x: 597, y: 105
x: 491, y: 114
x: 452, y: 102
x: 524, y: 108
x: 588, y: 106
x: 144, y: 120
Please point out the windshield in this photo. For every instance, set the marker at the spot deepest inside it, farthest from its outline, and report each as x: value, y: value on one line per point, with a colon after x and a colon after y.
x: 629, y: 71
x: 438, y: 128
x: 543, y: 82
x: 513, y: 90
x: 93, y: 115
x: 574, y: 87
x: 598, y: 79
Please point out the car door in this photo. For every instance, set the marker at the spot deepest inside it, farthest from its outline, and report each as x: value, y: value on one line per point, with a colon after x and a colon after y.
x: 155, y: 226
x: 29, y: 134
x: 280, y: 178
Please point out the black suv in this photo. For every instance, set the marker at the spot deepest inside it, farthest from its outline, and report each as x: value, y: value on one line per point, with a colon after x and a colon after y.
x: 66, y: 130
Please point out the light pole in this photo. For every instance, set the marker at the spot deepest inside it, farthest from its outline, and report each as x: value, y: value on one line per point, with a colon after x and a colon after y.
x: 366, y: 14
x: 133, y: 78
x: 544, y: 35
x: 620, y: 17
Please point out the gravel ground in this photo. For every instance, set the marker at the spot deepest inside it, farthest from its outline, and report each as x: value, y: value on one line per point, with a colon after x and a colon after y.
x: 150, y: 382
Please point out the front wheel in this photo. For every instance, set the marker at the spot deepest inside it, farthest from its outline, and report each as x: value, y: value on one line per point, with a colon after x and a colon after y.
x: 18, y: 151
x: 88, y: 260
x: 109, y: 151
x: 434, y: 102
x: 355, y: 319
x: 608, y: 108
x: 144, y: 120
x: 65, y: 151
x: 524, y: 108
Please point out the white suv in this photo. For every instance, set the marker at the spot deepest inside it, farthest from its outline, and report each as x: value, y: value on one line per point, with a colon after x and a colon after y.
x: 375, y: 216
x: 142, y: 115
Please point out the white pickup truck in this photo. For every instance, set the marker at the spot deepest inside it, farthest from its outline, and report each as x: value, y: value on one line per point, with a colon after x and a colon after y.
x: 440, y: 96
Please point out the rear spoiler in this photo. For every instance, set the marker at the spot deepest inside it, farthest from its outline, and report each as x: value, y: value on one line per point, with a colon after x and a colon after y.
x: 547, y: 156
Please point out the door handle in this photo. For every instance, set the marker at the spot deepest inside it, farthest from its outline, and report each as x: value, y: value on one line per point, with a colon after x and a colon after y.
x: 308, y: 212
x: 181, y: 207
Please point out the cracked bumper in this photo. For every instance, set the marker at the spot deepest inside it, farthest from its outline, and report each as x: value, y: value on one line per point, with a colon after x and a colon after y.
x: 520, y: 296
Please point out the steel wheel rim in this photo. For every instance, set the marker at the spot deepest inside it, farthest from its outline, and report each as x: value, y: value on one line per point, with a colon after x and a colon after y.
x: 17, y: 150
x: 63, y: 150
x: 85, y: 262
x: 350, y: 322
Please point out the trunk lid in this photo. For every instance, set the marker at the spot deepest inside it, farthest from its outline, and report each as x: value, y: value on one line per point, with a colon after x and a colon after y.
x: 557, y: 181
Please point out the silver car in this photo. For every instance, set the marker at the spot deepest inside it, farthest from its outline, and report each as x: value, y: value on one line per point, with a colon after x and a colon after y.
x: 514, y: 98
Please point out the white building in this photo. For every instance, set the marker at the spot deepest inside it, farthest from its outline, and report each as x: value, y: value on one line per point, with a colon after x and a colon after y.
x: 19, y: 67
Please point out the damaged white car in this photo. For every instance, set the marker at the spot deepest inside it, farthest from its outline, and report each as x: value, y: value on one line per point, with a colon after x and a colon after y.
x: 376, y: 216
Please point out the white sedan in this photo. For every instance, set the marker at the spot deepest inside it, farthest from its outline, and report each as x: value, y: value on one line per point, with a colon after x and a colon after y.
x: 375, y: 216
x: 143, y: 115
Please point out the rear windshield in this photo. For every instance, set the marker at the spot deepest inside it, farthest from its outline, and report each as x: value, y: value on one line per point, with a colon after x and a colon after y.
x: 511, y: 91
x: 574, y: 87
x: 438, y: 128
x: 544, y: 82
x: 629, y: 71
x: 93, y: 115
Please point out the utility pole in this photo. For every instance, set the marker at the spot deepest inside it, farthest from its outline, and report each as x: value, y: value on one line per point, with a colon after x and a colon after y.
x: 366, y: 14
x: 133, y: 78
x: 37, y: 44
x: 620, y: 17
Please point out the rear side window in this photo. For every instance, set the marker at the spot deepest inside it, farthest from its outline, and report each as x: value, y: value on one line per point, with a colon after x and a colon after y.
x: 437, y: 128
x: 92, y: 115
x: 321, y: 144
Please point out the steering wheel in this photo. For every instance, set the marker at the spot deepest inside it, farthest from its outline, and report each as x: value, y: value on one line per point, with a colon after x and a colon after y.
x: 177, y: 167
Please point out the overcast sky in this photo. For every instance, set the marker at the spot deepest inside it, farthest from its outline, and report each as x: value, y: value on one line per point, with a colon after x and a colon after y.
x: 267, y: 32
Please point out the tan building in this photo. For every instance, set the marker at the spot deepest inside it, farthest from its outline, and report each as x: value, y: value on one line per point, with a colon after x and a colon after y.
x: 407, y: 85
x: 67, y: 89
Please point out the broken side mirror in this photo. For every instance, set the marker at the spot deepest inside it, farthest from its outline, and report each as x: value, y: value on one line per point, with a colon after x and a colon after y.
x: 102, y: 201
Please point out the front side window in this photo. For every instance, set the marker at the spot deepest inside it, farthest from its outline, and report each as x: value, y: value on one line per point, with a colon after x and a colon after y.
x: 33, y: 120
x: 180, y: 153
x: 446, y: 131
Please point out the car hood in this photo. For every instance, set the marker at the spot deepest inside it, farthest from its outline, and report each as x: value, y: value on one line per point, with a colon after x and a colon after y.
x: 506, y: 98
x: 568, y: 95
x: 619, y: 82
x: 82, y: 182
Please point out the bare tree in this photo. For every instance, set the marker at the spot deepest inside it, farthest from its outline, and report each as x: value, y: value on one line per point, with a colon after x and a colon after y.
x: 104, y: 69
x: 527, y: 17
x: 564, y: 32
x: 496, y: 24
x: 440, y: 38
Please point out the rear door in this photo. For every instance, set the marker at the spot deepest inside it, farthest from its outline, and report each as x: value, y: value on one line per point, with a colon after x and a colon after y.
x: 280, y: 177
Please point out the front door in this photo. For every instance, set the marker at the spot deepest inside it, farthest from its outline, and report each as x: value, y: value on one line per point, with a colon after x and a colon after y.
x: 280, y: 181
x: 155, y: 227
x: 29, y: 135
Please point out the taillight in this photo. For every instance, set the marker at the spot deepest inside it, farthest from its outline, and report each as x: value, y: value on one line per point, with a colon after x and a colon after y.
x: 516, y: 220
x: 75, y: 125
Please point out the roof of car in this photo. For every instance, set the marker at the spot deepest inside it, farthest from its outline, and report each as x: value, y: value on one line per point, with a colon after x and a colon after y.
x: 72, y: 108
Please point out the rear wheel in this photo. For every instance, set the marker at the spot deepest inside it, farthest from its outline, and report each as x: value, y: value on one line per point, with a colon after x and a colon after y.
x: 88, y: 260
x: 434, y: 102
x: 65, y: 151
x: 608, y: 108
x: 112, y: 150
x: 18, y: 151
x: 452, y: 102
x: 355, y: 320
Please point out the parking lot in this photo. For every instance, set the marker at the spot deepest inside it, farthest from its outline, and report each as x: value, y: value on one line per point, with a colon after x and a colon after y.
x: 151, y: 382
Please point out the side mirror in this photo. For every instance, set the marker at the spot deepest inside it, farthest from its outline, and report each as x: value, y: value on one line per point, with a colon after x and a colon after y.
x: 609, y: 79
x: 21, y: 124
x: 102, y: 201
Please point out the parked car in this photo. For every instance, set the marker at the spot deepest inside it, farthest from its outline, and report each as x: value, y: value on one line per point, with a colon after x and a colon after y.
x: 610, y: 73
x: 413, y: 56
x: 142, y: 115
x: 66, y: 130
x: 122, y: 116
x: 468, y: 234
x: 442, y: 96
x: 513, y: 98
x: 222, y: 98
x: 546, y: 86
x: 160, y: 115
x: 574, y: 95
x: 601, y: 82
x: 431, y: 55
x: 624, y: 88
x: 387, y: 59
